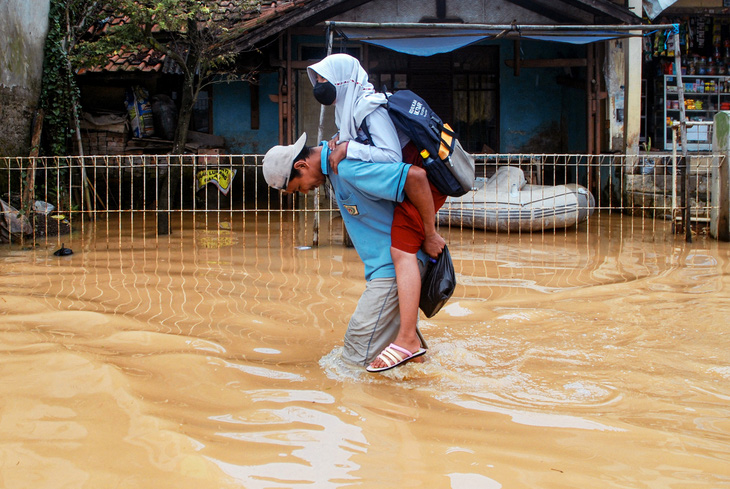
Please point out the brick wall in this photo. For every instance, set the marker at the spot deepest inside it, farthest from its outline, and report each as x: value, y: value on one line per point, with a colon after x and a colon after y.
x: 103, y: 142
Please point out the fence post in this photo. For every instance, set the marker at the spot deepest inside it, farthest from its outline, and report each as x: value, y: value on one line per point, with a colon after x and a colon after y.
x: 163, y: 194
x: 720, y: 193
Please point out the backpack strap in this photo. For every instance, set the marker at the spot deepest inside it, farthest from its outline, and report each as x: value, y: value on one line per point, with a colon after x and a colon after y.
x: 447, y: 130
x: 447, y: 141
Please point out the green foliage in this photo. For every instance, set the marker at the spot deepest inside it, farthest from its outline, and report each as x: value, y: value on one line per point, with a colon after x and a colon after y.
x: 54, y: 189
x: 68, y: 20
x: 195, y: 34
x: 192, y: 33
x: 177, y: 28
x: 58, y: 87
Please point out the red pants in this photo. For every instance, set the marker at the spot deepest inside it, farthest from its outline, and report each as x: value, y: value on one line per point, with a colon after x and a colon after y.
x: 407, y: 233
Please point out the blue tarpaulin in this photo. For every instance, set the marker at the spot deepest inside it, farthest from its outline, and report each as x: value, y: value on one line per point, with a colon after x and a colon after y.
x: 425, y: 46
x: 424, y: 42
x: 427, y: 42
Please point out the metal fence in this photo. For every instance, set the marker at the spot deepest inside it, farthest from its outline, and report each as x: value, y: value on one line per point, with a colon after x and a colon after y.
x: 166, y: 190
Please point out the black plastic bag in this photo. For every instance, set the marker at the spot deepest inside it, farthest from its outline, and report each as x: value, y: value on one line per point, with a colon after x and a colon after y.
x: 438, y: 284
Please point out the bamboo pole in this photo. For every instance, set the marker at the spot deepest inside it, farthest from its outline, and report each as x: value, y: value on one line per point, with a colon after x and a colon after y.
x: 29, y: 187
x: 683, y: 136
x: 320, y: 130
x: 68, y: 44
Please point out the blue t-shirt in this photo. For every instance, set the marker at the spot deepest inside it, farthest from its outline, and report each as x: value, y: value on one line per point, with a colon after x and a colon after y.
x: 367, y: 194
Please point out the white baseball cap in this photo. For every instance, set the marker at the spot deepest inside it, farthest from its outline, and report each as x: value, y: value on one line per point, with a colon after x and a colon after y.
x: 278, y: 163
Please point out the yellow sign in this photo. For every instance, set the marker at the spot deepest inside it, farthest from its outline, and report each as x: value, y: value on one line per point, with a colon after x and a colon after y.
x: 221, y: 177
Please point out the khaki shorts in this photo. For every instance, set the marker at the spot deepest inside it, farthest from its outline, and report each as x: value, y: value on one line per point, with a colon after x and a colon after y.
x: 375, y: 322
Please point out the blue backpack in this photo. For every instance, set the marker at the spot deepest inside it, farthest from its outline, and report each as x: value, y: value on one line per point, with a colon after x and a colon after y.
x: 449, y: 168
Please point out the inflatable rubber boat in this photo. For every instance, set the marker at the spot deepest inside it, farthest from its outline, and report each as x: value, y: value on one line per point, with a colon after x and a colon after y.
x: 506, y: 202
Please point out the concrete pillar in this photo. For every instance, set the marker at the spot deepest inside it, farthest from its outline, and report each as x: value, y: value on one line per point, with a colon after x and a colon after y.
x: 614, y: 72
x: 720, y: 185
x: 632, y: 88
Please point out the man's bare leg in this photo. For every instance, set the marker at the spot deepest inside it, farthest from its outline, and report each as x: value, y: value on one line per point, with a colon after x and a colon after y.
x: 408, y: 279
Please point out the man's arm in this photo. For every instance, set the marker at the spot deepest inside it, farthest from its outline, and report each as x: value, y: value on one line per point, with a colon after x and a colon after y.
x: 380, y: 181
x: 418, y: 192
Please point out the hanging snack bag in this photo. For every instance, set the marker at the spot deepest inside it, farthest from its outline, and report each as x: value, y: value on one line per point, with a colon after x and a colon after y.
x: 140, y: 112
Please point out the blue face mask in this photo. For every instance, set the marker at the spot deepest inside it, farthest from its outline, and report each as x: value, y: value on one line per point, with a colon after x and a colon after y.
x: 325, y: 93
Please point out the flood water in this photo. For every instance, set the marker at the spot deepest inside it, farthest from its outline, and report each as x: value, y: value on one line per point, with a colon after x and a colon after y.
x: 209, y: 359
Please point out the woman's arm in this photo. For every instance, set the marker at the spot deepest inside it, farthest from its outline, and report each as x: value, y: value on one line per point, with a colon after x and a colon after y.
x: 418, y: 191
x: 384, y: 144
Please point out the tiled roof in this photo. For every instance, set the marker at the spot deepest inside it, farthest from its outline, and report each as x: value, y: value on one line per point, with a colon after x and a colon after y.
x: 238, y: 16
x: 134, y: 60
x: 232, y: 11
x: 228, y: 13
x: 277, y: 16
x: 266, y: 12
x: 223, y: 11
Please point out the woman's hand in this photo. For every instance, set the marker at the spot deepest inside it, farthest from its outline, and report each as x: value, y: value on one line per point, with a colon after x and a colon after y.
x: 337, y: 154
x: 433, y: 245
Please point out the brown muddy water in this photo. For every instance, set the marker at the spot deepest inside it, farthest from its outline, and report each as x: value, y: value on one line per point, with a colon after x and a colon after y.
x: 209, y: 359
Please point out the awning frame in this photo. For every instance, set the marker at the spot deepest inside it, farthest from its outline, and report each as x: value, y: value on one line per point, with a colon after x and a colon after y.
x: 515, y: 26
x: 388, y: 34
x: 508, y: 29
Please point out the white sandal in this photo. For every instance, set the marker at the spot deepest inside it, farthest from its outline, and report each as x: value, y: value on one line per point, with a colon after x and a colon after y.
x: 392, y: 356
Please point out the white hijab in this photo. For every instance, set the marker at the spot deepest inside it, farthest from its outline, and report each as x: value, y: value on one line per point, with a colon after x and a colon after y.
x: 356, y: 96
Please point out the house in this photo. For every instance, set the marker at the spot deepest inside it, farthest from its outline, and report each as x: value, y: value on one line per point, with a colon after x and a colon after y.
x: 541, y: 104
x: 505, y: 91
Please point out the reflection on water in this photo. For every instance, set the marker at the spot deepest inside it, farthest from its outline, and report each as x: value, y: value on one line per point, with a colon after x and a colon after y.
x: 211, y: 359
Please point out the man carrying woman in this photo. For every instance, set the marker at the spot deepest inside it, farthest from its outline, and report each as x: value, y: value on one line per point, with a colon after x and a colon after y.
x: 367, y: 134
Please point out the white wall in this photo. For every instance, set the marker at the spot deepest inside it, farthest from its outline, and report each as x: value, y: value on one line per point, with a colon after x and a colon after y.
x: 23, y: 29
x: 698, y: 3
x: 473, y: 11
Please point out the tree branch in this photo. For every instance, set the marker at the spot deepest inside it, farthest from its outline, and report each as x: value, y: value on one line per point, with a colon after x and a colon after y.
x: 78, y: 30
x: 165, y: 49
